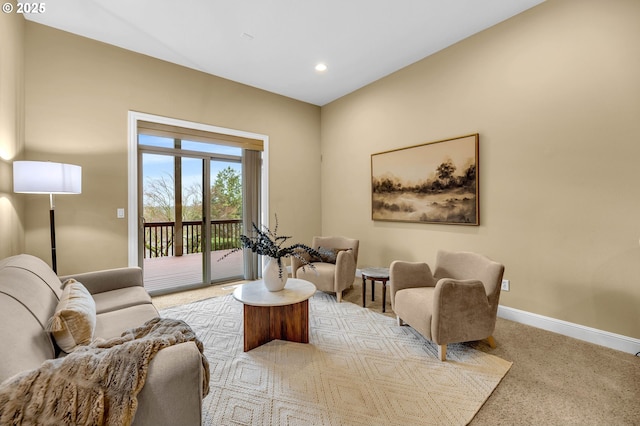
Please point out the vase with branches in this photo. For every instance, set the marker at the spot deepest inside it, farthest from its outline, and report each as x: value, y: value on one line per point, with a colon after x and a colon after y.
x: 267, y: 242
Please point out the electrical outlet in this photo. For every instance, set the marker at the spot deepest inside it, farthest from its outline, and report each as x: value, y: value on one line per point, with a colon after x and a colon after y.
x: 505, y: 285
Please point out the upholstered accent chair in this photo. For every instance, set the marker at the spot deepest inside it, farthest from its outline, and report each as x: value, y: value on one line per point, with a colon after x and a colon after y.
x: 336, y: 270
x: 457, y: 303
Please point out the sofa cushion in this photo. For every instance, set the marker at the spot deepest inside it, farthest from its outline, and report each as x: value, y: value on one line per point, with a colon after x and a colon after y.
x: 25, y: 344
x: 322, y: 276
x: 38, y: 296
x: 74, y: 320
x: 29, y: 293
x: 108, y: 279
x: 112, y: 324
x: 415, y: 307
x: 37, y: 270
x: 121, y: 298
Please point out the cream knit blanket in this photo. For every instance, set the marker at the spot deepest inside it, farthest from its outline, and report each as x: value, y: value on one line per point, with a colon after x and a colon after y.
x: 96, y: 384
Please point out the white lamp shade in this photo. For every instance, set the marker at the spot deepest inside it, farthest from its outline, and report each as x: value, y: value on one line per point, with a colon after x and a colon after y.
x: 44, y: 177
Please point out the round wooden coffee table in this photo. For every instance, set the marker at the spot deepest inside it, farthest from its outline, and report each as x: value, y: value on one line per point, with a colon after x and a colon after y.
x: 282, y: 315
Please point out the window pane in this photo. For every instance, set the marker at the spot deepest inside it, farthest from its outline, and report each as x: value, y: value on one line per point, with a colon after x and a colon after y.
x: 158, y: 192
x: 226, y: 190
x: 155, y: 141
x: 211, y: 148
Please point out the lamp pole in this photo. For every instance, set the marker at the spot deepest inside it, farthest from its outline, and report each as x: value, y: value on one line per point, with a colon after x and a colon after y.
x: 52, y: 224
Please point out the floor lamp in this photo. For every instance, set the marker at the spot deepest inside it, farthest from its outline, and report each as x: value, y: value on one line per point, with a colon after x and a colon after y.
x: 44, y: 177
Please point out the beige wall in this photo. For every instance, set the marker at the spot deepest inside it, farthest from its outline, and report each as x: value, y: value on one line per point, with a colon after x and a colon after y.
x: 11, y: 130
x: 555, y: 95
x: 78, y: 94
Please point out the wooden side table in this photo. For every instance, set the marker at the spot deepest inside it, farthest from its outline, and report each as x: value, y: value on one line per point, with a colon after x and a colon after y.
x: 282, y: 315
x: 375, y: 274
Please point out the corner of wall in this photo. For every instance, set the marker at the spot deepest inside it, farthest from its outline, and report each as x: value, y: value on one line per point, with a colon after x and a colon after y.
x: 11, y: 130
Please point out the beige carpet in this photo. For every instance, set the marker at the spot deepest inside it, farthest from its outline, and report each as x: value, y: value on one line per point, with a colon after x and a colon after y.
x: 554, y: 380
x: 359, y: 368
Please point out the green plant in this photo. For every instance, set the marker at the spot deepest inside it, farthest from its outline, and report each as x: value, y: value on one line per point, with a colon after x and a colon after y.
x: 268, y: 243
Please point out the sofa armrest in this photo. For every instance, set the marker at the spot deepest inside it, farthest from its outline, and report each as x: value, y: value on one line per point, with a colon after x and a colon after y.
x: 109, y: 279
x: 461, y: 311
x: 173, y: 391
x: 345, y: 269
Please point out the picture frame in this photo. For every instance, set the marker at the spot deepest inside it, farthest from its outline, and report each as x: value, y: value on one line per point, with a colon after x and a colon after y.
x: 435, y: 182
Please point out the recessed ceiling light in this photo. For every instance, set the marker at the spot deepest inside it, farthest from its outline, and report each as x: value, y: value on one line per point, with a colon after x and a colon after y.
x: 321, y: 67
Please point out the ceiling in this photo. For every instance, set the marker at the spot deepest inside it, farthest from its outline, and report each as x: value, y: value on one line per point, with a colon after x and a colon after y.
x: 275, y: 44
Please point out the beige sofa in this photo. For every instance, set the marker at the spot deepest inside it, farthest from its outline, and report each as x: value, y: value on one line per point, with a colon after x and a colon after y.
x: 29, y: 294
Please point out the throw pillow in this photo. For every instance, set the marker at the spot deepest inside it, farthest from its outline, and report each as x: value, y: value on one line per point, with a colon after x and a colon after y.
x: 74, y: 321
x: 328, y: 255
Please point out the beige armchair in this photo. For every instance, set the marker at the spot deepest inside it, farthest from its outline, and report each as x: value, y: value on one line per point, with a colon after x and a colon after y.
x: 332, y: 273
x: 457, y: 303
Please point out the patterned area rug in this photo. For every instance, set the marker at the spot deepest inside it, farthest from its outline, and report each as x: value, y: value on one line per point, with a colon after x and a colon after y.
x: 359, y: 368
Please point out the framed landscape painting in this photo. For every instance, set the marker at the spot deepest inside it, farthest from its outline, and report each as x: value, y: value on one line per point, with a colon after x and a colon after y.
x: 435, y: 182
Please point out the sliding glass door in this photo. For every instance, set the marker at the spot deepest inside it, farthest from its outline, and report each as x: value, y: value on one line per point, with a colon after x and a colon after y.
x: 191, y: 213
x: 226, y: 219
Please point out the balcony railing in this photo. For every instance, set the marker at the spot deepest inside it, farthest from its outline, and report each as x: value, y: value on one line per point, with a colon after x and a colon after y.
x: 161, y: 239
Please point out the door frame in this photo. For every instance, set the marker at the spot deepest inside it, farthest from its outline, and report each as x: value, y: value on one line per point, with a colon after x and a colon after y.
x: 133, y: 217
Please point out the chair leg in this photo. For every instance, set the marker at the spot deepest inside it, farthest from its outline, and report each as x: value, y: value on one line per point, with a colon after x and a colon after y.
x: 492, y: 342
x: 400, y: 322
x: 339, y: 296
x: 442, y: 352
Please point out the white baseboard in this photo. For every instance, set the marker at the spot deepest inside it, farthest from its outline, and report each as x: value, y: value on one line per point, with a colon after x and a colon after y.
x: 577, y: 331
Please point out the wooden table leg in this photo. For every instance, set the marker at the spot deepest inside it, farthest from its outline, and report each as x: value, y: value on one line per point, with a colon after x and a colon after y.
x: 384, y: 295
x: 256, y: 326
x: 290, y: 322
x: 263, y: 324
x: 364, y: 291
